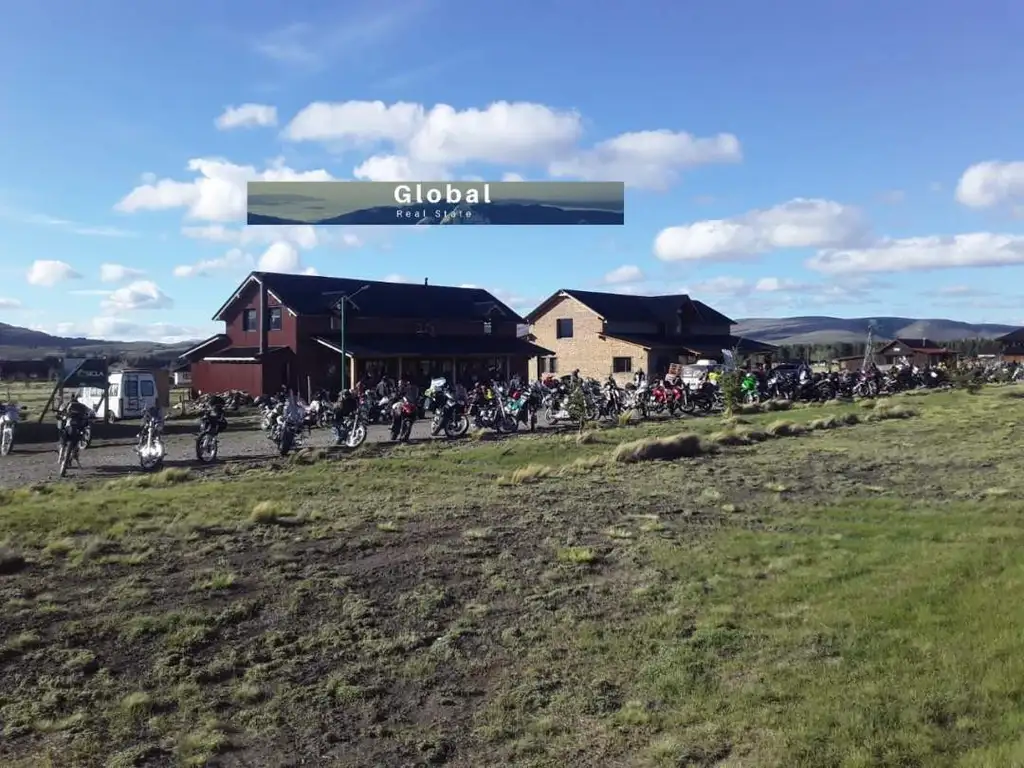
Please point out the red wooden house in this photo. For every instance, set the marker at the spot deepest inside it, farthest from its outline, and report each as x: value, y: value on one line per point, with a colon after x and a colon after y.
x: 283, y: 329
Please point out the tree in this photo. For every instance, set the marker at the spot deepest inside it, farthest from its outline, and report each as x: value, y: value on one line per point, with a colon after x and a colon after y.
x: 576, y: 405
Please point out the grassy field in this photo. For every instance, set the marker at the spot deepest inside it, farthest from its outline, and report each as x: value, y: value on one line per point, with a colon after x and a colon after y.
x: 32, y: 396
x: 849, y: 595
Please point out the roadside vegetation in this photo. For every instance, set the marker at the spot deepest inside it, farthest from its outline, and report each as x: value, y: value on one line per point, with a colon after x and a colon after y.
x: 818, y: 586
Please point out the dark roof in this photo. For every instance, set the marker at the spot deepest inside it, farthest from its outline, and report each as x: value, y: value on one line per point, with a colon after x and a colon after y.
x: 656, y: 309
x: 217, y: 341
x: 1016, y: 336
x: 319, y: 295
x: 924, y: 346
x: 708, y: 346
x: 234, y: 353
x: 433, y: 346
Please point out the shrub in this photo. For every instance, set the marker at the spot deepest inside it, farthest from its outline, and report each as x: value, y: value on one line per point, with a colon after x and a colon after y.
x: 730, y: 384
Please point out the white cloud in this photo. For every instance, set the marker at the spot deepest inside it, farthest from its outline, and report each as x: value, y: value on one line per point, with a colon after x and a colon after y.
x: 959, y: 292
x: 247, y: 116
x: 991, y: 183
x: 49, y: 273
x: 893, y: 197
x: 719, y: 286
x: 142, y: 294
x: 627, y: 273
x: 512, y: 177
x: 217, y: 194
x: 427, y: 143
x: 396, y: 278
x: 648, y: 159
x: 979, y: 249
x: 118, y: 273
x: 303, y: 236
x: 283, y: 257
x: 779, y: 285
x: 9, y: 304
x: 799, y: 223
x: 236, y: 259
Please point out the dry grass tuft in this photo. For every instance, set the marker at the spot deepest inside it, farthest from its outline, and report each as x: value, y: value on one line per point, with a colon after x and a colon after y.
x: 826, y: 422
x: 684, y: 446
x: 731, y: 436
x: 532, y: 473
x: 783, y: 428
x: 308, y: 456
x: 161, y: 479
x: 886, y: 411
x: 588, y: 437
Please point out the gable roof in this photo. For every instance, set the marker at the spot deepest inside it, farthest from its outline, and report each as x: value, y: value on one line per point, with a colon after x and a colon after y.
x: 1013, y: 337
x: 319, y: 295
x: 629, y: 308
x: 925, y: 346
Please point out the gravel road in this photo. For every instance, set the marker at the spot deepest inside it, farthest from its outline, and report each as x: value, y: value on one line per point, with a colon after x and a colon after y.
x: 37, y: 462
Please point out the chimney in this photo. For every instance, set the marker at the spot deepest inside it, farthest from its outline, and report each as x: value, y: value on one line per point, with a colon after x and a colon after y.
x: 263, y: 319
x: 426, y: 281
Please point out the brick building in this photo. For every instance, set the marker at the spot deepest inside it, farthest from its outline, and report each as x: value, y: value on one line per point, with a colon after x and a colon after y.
x: 611, y: 333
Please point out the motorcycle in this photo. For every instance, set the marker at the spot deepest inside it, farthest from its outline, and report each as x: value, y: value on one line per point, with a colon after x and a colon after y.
x: 211, y: 423
x: 449, y: 410
x: 286, y: 429
x: 488, y: 411
x: 9, y: 417
x: 70, y: 437
x: 150, y: 447
x: 319, y: 413
x: 403, y: 415
x: 350, y: 428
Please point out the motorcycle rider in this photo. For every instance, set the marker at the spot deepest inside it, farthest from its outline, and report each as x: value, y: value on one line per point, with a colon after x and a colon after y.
x: 344, y: 408
x: 77, y: 415
x: 404, y: 392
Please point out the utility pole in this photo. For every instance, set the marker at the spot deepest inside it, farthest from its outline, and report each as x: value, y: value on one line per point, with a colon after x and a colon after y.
x: 346, y: 299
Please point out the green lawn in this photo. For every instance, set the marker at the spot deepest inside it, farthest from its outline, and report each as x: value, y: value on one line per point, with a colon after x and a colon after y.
x: 850, y: 596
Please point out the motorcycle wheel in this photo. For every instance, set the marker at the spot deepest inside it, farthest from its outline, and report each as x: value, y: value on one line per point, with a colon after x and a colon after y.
x: 63, y: 459
x: 435, y: 425
x: 405, y: 431
x: 457, y: 426
x: 508, y: 424
x: 356, y: 436
x: 86, y: 439
x: 549, y: 416
x: 6, y: 441
x: 206, y: 448
x: 152, y: 461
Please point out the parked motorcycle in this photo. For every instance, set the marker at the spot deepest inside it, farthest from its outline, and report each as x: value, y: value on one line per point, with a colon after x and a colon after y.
x: 349, y: 422
x: 9, y: 417
x: 211, y: 423
x: 69, y: 435
x: 403, y: 413
x: 449, y: 407
x: 150, y: 446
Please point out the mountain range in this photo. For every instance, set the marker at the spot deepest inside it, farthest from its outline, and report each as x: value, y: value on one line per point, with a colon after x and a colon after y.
x: 839, y: 330
x: 18, y: 343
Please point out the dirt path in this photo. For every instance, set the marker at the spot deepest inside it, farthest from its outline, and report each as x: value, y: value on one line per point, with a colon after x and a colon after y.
x: 37, y: 463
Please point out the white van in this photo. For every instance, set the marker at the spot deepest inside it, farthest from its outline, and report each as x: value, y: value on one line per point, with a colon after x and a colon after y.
x: 131, y: 394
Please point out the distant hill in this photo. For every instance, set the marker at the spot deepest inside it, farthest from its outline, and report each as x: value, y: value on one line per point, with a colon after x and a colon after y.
x: 25, y: 344
x: 838, y: 330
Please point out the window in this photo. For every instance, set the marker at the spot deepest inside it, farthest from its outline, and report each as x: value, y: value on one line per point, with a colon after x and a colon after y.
x: 131, y: 388
x: 274, y: 319
x: 147, y: 389
x: 249, y: 320
x: 487, y: 327
x: 622, y: 365
x: 549, y: 365
x: 113, y: 390
x: 563, y: 328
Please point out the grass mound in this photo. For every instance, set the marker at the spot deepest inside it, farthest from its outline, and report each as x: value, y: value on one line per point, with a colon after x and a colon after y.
x: 783, y: 428
x: 683, y: 446
x: 886, y: 411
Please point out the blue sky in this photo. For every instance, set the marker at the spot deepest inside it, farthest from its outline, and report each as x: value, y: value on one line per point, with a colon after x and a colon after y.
x: 781, y: 158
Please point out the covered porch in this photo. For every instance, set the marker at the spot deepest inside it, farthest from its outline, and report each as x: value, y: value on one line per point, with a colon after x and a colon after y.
x: 422, y: 358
